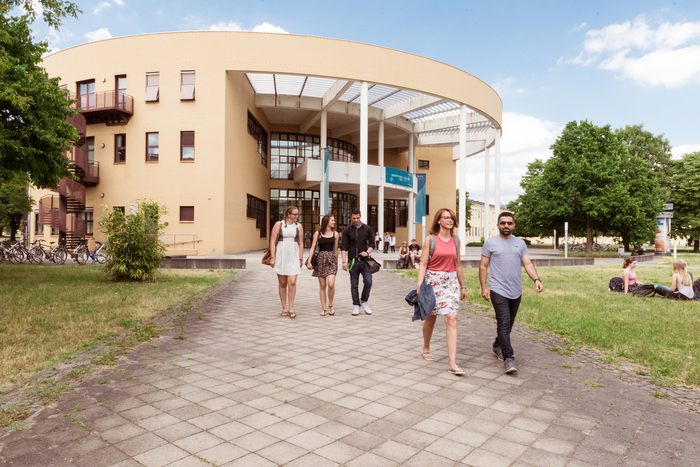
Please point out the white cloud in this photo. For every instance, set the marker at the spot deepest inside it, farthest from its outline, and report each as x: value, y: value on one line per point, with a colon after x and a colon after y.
x: 667, y: 56
x: 119, y: 2
x: 508, y: 86
x: 579, y: 27
x: 55, y: 38
x: 677, y: 152
x: 98, y: 35
x: 101, y: 6
x: 233, y: 26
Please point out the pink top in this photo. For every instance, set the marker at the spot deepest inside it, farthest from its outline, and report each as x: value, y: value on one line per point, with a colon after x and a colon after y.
x: 632, y: 278
x: 444, y: 256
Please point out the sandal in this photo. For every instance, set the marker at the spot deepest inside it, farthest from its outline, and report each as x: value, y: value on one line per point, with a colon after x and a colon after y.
x: 427, y: 356
x: 331, y: 311
x: 292, y: 314
x: 456, y: 371
x: 284, y: 313
x: 323, y: 313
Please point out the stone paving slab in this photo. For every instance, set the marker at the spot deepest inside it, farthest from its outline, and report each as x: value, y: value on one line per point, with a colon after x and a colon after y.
x: 248, y: 387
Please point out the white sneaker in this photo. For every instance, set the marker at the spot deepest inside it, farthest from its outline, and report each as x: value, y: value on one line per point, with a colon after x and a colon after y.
x: 355, y: 310
x: 365, y: 306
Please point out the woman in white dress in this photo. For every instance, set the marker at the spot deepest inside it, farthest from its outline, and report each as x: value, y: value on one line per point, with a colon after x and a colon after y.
x: 287, y: 256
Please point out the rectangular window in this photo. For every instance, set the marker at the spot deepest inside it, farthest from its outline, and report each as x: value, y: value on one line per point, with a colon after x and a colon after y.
x: 396, y: 213
x: 119, y: 148
x: 187, y: 86
x: 423, y: 164
x: 186, y: 213
x: 120, y: 208
x: 257, y: 209
x: 88, y: 216
x: 90, y: 143
x: 152, y: 87
x: 38, y: 226
x: 152, y: 147
x: 256, y: 130
x: 86, y: 94
x: 187, y: 145
x: 120, y: 89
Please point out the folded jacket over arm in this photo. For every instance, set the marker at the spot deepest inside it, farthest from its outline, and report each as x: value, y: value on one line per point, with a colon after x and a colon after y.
x: 423, y: 303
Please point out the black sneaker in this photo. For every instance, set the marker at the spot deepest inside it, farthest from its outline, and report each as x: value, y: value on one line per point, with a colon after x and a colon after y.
x: 497, y: 352
x: 509, y: 365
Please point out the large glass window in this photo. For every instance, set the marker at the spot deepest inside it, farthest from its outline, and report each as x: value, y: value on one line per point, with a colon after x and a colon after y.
x: 119, y: 148
x: 395, y: 214
x: 290, y: 150
x: 256, y: 130
x: 152, y: 148
x: 86, y: 95
x: 257, y: 209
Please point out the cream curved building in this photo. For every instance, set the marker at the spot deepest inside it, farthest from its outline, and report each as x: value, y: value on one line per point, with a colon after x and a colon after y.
x: 228, y: 128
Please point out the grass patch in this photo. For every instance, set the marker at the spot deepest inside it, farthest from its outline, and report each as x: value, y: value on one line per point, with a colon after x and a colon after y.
x: 592, y: 254
x: 661, y: 335
x: 691, y: 259
x: 50, y: 314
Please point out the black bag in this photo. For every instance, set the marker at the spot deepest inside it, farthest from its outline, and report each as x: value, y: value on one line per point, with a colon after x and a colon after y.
x: 646, y: 290
x: 696, y: 287
x: 314, y: 256
x: 374, y: 266
x: 616, y: 284
x: 400, y: 264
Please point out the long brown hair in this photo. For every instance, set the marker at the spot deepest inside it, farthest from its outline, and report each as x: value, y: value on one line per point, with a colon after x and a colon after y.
x: 629, y: 260
x: 289, y: 210
x: 325, y: 220
x: 435, y: 227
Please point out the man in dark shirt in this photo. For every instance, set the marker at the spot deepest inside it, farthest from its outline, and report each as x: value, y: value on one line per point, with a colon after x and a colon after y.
x: 414, y: 252
x: 356, y: 245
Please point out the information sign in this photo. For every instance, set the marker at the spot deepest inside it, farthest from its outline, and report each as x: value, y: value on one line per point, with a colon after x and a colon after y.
x: 398, y: 177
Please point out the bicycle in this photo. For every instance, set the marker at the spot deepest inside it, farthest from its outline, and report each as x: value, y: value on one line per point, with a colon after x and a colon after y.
x: 98, y: 256
x: 56, y: 254
x: 18, y: 253
x: 36, y: 253
x: 81, y: 252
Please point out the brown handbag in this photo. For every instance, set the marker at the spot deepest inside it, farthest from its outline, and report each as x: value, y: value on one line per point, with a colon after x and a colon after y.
x: 267, y: 257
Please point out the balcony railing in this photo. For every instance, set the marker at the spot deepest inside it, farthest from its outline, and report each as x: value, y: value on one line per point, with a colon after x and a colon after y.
x: 92, y: 174
x: 73, y: 191
x: 50, y: 214
x: 79, y: 158
x: 109, y: 107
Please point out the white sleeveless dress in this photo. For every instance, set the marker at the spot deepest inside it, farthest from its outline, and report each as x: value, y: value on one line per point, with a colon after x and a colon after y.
x: 287, y: 255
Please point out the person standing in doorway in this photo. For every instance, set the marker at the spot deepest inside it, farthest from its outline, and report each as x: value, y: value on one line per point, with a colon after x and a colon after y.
x: 357, y: 242
x: 387, y: 239
x: 505, y: 255
x: 287, y: 257
x: 327, y: 262
x: 392, y: 243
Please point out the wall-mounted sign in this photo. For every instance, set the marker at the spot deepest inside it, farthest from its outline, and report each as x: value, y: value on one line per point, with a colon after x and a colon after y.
x: 398, y: 177
x: 668, y: 207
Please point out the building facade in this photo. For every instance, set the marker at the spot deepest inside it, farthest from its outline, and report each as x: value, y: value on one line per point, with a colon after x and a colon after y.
x: 227, y: 129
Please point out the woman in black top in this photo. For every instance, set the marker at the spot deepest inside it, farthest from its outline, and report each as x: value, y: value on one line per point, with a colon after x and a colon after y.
x: 327, y: 264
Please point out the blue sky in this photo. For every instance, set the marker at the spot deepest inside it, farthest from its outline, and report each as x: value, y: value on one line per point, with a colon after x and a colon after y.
x: 617, y: 63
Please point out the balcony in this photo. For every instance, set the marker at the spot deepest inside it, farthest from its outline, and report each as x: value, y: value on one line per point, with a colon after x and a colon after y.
x: 108, y: 107
x: 92, y: 174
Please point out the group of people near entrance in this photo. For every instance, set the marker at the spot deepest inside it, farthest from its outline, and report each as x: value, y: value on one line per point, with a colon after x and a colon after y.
x: 439, y: 265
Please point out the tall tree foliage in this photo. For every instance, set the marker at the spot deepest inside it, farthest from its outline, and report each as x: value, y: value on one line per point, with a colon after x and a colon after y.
x: 592, y: 183
x: 14, y: 202
x: 53, y: 11
x: 686, y: 198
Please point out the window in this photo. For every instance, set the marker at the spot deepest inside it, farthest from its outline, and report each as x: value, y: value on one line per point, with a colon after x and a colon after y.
x: 423, y: 164
x: 256, y: 130
x: 87, y: 216
x: 120, y: 208
x: 38, y: 226
x: 120, y: 88
x: 152, y: 87
x: 257, y: 209
x: 119, y: 148
x: 187, y: 145
x: 290, y: 150
x: 86, y: 95
x: 151, y: 147
x: 90, y: 143
x: 308, y: 202
x: 186, y: 213
x: 187, y: 86
x: 427, y: 205
x: 395, y: 214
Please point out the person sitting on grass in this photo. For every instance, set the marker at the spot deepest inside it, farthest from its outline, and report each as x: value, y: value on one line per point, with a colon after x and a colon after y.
x: 681, y: 283
x: 640, y: 250
x: 629, y: 276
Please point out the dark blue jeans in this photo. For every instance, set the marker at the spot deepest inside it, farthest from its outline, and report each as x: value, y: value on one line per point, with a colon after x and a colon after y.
x: 506, y: 309
x: 360, y: 267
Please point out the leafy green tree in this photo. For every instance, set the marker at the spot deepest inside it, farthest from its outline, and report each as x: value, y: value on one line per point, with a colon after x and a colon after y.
x: 528, y: 221
x: 53, y: 11
x: 686, y: 198
x: 467, y: 208
x: 134, y: 247
x: 654, y: 150
x: 14, y: 203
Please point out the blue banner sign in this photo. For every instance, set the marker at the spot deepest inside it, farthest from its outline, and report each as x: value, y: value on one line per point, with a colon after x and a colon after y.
x: 420, y: 199
x: 398, y: 177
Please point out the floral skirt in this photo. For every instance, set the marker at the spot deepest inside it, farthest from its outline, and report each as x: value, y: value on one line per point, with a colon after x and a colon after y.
x: 327, y: 264
x: 446, y: 288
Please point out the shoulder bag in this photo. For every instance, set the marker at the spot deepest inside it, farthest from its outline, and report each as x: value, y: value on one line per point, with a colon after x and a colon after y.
x: 314, y: 256
x: 267, y: 257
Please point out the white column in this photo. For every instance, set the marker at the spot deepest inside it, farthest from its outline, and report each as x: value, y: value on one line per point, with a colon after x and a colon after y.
x: 462, y: 177
x: 325, y: 208
x: 411, y: 196
x: 487, y: 203
x: 497, y: 175
x: 364, y: 122
x: 380, y: 195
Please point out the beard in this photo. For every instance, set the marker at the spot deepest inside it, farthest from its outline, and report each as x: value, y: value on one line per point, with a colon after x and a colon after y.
x: 505, y: 231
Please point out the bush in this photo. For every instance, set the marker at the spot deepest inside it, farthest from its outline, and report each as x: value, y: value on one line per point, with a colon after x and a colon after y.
x: 134, y: 248
x: 527, y: 242
x: 475, y: 244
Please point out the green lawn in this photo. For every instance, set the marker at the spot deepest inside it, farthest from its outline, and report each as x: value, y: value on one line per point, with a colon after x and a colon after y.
x: 691, y: 259
x: 660, y: 335
x: 49, y: 312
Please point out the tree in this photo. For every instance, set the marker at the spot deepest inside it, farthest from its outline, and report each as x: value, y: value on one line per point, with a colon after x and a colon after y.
x: 654, y: 151
x: 685, y: 195
x: 33, y: 110
x: 467, y: 209
x: 528, y: 222
x: 592, y: 183
x: 53, y: 11
x: 14, y: 202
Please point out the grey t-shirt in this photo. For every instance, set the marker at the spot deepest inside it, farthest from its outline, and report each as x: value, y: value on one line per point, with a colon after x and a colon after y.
x: 504, y: 268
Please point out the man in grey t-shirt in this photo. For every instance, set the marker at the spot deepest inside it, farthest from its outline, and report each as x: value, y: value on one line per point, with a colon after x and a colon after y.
x: 505, y: 254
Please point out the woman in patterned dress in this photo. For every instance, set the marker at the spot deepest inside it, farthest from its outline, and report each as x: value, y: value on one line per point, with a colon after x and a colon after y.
x: 327, y: 264
x: 287, y: 256
x: 443, y: 271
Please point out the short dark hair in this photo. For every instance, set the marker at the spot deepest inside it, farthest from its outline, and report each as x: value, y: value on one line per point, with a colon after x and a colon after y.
x: 505, y: 214
x: 355, y: 212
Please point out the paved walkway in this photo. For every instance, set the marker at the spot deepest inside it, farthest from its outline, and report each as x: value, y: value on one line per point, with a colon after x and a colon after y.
x: 248, y: 387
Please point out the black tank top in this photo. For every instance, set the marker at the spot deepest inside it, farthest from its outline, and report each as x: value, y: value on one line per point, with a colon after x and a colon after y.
x: 326, y: 244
